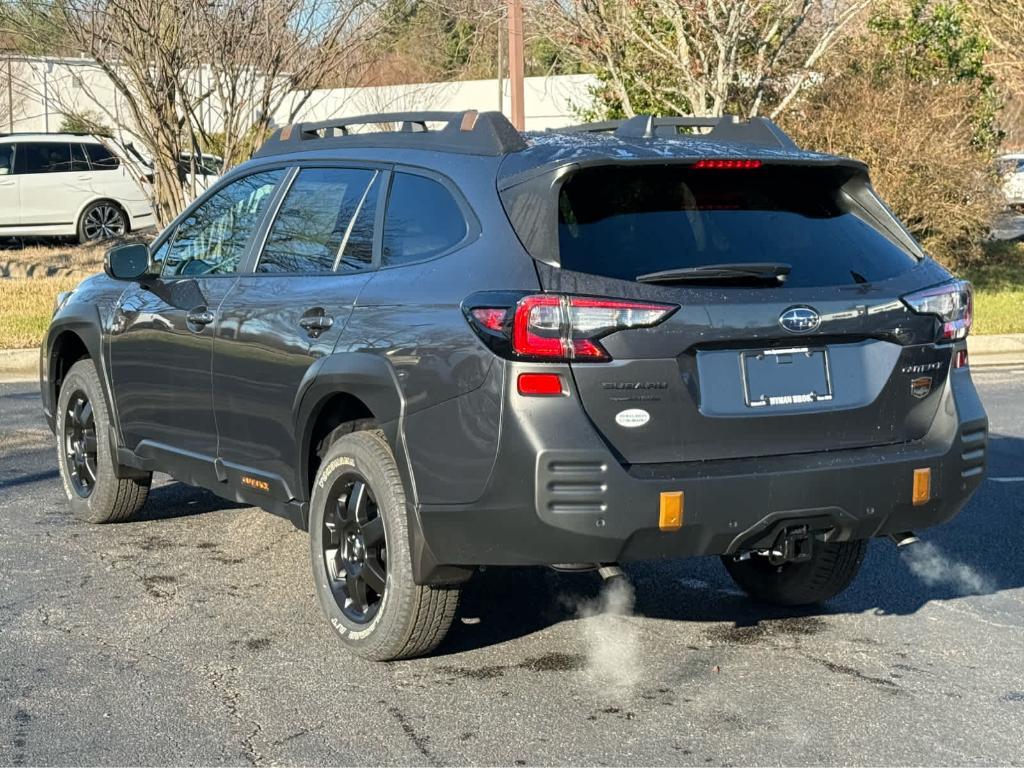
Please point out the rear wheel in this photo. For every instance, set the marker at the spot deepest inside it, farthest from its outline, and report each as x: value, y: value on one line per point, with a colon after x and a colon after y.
x: 85, y: 456
x: 100, y: 221
x: 362, y: 566
x: 829, y: 571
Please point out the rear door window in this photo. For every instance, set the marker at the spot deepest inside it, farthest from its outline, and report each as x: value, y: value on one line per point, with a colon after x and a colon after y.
x: 622, y: 222
x: 46, y: 157
x: 423, y: 220
x: 6, y: 159
x: 313, y: 229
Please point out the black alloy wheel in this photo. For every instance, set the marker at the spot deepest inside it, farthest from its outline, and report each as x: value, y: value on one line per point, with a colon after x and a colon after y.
x: 355, y: 548
x: 80, y: 445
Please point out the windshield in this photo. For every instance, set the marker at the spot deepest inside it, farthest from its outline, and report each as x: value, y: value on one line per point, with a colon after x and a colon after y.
x: 622, y: 222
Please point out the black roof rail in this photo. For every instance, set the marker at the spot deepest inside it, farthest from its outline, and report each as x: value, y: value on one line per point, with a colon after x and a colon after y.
x: 469, y: 132
x: 727, y: 128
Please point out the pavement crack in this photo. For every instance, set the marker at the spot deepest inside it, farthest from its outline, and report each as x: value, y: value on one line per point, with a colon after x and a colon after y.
x: 221, y: 682
x: 419, y: 741
x: 842, y: 669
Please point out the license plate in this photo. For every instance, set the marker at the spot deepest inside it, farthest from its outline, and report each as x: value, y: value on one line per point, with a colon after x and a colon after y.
x: 795, y: 376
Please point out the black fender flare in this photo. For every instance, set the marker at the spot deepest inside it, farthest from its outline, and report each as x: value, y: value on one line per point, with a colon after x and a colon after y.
x: 372, y: 379
x: 82, y: 320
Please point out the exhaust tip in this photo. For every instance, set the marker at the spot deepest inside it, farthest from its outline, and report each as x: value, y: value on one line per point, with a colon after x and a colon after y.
x: 610, y: 571
x: 904, y: 539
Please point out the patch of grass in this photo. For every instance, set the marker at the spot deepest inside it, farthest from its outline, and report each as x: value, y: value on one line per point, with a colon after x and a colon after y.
x: 998, y: 289
x: 26, y: 306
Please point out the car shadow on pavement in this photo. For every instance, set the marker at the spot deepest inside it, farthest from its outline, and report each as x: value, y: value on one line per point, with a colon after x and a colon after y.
x: 173, y: 499
x: 980, y: 551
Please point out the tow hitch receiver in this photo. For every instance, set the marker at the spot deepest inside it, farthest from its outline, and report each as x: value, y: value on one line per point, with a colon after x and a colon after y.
x: 792, y: 546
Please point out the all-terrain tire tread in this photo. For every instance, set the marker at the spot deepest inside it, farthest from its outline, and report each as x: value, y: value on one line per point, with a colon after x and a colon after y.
x: 429, y: 611
x: 831, y: 570
x: 434, y: 607
x: 114, y: 500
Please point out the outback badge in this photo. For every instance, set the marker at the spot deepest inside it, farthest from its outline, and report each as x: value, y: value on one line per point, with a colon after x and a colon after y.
x: 921, y: 386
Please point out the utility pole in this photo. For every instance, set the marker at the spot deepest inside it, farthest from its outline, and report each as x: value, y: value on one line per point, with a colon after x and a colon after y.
x: 516, y: 66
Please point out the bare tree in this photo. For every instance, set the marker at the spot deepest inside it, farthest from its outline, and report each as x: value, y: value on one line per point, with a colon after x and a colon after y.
x: 180, y: 67
x: 702, y: 57
x: 265, y: 56
x: 1002, y: 22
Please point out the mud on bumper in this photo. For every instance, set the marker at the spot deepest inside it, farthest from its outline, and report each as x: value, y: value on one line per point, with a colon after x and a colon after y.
x: 558, y: 495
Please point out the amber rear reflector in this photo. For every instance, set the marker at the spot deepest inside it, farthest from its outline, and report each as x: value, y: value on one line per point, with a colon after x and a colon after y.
x: 670, y: 517
x: 922, y: 486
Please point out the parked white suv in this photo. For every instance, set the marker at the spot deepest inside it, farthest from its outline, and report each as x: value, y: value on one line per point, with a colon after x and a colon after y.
x: 64, y: 184
x: 1011, y: 169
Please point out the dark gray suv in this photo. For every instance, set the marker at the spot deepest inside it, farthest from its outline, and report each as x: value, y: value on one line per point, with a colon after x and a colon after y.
x: 452, y: 344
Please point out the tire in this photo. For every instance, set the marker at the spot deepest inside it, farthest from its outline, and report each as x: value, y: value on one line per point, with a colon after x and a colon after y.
x: 84, y: 454
x: 102, y: 220
x: 829, y: 571
x: 359, y: 539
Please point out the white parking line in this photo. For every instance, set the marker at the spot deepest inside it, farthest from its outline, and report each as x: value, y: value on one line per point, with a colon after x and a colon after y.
x: 1007, y: 479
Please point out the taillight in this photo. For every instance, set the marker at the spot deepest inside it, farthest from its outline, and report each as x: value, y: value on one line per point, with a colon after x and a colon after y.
x: 554, y: 327
x: 952, y: 303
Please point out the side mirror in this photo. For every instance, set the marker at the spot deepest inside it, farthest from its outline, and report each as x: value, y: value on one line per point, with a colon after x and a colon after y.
x: 130, y: 261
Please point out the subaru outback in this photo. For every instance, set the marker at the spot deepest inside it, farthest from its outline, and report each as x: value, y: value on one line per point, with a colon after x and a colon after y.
x: 452, y: 345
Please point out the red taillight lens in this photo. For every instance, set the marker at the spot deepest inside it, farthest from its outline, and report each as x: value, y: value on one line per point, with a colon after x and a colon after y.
x: 960, y: 360
x: 728, y: 164
x: 568, y: 327
x: 952, y: 303
x: 540, y: 384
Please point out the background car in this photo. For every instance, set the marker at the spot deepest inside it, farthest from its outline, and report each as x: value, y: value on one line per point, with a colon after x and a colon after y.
x: 68, y: 185
x: 1011, y: 170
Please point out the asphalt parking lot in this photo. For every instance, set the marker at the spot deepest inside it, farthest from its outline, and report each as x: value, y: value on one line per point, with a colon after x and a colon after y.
x: 193, y: 637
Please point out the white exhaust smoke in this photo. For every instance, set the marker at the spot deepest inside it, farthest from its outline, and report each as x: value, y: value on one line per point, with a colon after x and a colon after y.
x: 612, y: 639
x: 935, y: 568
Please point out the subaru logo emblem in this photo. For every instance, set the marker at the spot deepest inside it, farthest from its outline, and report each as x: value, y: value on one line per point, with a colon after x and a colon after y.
x: 800, y: 320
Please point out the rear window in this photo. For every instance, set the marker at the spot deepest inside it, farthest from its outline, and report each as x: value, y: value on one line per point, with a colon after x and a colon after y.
x: 623, y: 222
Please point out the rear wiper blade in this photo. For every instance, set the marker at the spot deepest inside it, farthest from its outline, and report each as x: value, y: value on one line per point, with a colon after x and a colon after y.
x: 775, y: 271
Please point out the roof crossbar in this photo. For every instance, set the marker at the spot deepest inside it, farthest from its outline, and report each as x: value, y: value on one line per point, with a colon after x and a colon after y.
x: 728, y: 128
x: 469, y: 132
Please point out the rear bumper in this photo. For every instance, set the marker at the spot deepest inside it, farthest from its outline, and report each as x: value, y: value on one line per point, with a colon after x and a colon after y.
x: 558, y: 495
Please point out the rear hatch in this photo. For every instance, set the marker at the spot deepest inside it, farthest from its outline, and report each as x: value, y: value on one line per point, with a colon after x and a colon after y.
x: 827, y: 358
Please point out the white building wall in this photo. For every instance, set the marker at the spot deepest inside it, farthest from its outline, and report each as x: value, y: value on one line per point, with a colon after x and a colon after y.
x: 43, y: 90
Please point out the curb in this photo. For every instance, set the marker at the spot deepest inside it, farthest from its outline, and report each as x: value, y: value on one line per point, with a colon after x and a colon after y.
x: 1005, y: 349
x: 19, y: 364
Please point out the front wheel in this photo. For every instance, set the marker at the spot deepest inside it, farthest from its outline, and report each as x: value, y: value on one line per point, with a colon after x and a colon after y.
x: 362, y: 566
x: 85, y: 454
x: 829, y: 571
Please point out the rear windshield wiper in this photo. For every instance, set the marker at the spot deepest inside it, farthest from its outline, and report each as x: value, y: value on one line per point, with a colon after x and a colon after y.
x: 774, y: 271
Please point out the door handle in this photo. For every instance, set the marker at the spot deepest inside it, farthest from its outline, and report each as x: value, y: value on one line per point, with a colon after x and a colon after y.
x: 200, y: 317
x: 316, y: 324
x: 85, y: 177
x: 7, y: 183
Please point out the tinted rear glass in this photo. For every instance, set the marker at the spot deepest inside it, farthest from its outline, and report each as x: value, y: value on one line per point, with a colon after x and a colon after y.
x: 623, y: 222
